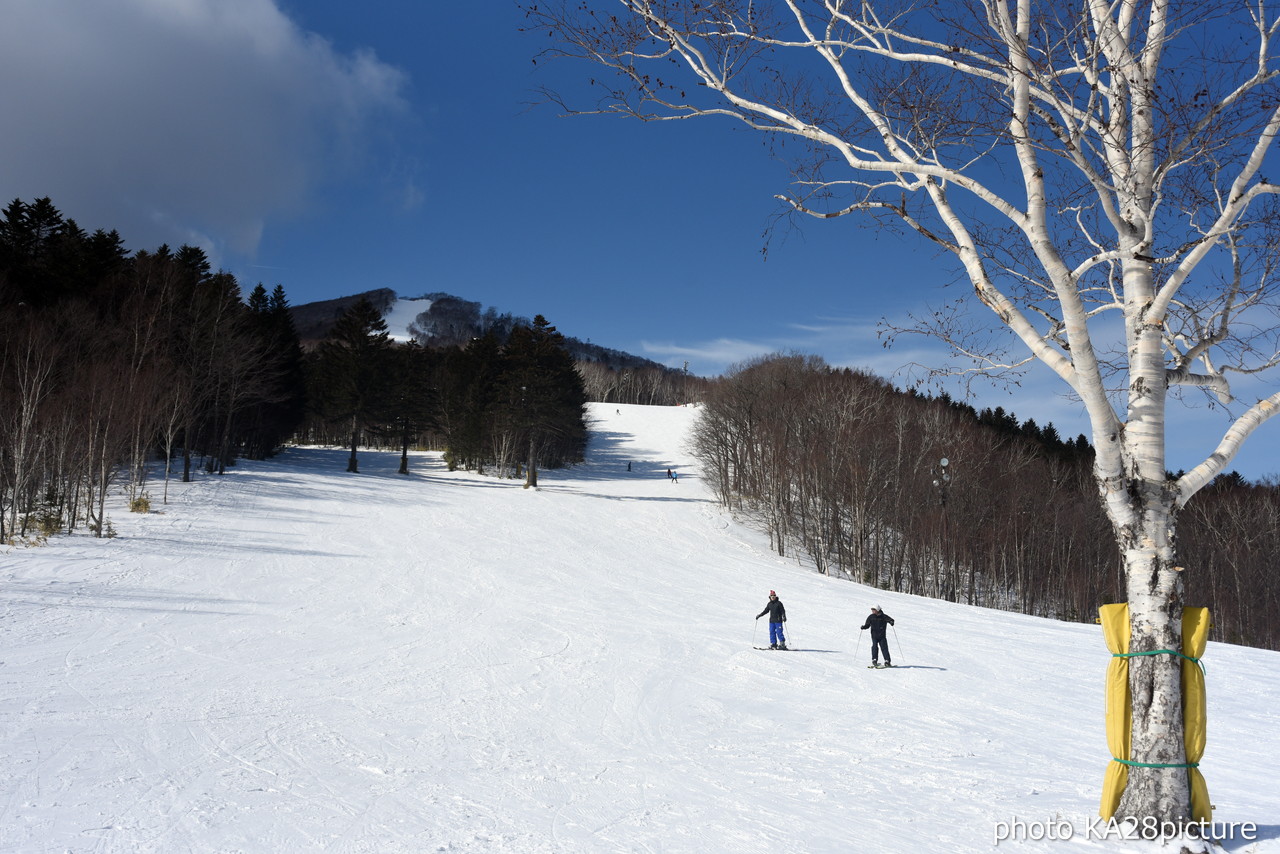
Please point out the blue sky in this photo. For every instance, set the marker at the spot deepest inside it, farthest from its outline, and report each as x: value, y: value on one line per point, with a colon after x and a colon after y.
x: 334, y: 147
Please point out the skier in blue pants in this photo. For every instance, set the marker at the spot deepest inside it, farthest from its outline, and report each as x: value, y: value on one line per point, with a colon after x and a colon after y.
x: 777, y: 616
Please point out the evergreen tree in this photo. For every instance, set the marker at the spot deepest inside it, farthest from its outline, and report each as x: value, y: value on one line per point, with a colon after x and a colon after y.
x: 413, y: 399
x: 283, y: 404
x: 28, y: 242
x: 353, y: 378
x: 543, y: 398
x: 468, y: 388
x: 258, y: 301
x: 105, y: 252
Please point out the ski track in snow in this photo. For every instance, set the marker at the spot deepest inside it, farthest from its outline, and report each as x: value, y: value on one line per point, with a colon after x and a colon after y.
x: 293, y: 658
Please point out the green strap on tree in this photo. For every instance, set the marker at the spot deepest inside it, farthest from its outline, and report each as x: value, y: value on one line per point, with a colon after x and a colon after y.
x: 1161, y: 652
x: 1130, y: 762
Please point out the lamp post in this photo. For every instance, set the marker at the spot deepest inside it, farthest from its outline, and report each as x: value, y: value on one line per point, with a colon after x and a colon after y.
x: 942, y: 479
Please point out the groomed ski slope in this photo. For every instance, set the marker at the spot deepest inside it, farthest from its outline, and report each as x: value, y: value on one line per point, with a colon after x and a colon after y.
x: 290, y: 658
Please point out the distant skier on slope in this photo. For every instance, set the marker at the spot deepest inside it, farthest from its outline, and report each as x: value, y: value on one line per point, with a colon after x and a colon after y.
x: 876, y: 621
x: 777, y: 616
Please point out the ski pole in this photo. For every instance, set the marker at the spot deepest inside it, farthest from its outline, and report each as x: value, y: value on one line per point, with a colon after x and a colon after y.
x: 754, y: 628
x: 859, y: 646
x: 898, y: 642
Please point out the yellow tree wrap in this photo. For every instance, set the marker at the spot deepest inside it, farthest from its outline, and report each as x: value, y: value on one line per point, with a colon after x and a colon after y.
x: 1195, y: 636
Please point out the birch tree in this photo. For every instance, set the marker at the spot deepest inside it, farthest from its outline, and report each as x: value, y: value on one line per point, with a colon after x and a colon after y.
x: 1095, y: 169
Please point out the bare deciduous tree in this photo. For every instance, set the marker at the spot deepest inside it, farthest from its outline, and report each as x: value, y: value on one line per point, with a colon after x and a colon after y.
x: 1096, y: 171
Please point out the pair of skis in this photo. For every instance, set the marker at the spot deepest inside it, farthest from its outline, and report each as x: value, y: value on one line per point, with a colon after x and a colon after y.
x: 789, y: 649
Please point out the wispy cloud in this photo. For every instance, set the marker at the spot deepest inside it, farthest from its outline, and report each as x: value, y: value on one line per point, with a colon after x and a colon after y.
x: 1195, y: 424
x: 194, y: 121
x: 856, y: 343
x: 835, y: 338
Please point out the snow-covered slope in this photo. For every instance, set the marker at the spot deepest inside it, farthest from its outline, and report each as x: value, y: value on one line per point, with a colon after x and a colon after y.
x: 292, y: 658
x: 401, y: 314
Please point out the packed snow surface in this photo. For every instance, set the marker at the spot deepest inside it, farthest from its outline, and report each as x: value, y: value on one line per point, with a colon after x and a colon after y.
x: 291, y: 658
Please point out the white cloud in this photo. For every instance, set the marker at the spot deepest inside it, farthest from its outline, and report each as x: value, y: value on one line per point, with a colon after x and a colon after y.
x: 179, y: 120
x: 829, y: 337
x: 855, y: 343
x: 706, y: 357
x: 1195, y: 427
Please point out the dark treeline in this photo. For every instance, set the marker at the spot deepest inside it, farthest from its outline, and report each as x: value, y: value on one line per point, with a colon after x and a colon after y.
x: 506, y: 405
x: 609, y: 375
x: 111, y: 361
x: 451, y: 321
x: 522, y: 401
x: 844, y: 469
x: 651, y: 385
x: 106, y: 358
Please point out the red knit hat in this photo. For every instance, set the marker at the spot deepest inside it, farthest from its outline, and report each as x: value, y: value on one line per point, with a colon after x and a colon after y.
x: 771, y: 593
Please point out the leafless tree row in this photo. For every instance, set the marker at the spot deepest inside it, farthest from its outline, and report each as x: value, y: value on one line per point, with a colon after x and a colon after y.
x: 650, y: 386
x: 159, y: 360
x: 1230, y: 536
x: 846, y: 471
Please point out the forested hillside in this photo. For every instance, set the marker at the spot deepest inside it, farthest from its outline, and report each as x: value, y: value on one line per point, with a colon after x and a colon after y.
x: 110, y: 359
x: 928, y: 496
x: 610, y: 375
x: 508, y: 407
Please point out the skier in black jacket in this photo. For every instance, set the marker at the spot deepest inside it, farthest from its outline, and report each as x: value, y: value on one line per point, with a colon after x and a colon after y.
x: 876, y: 621
x: 777, y: 616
